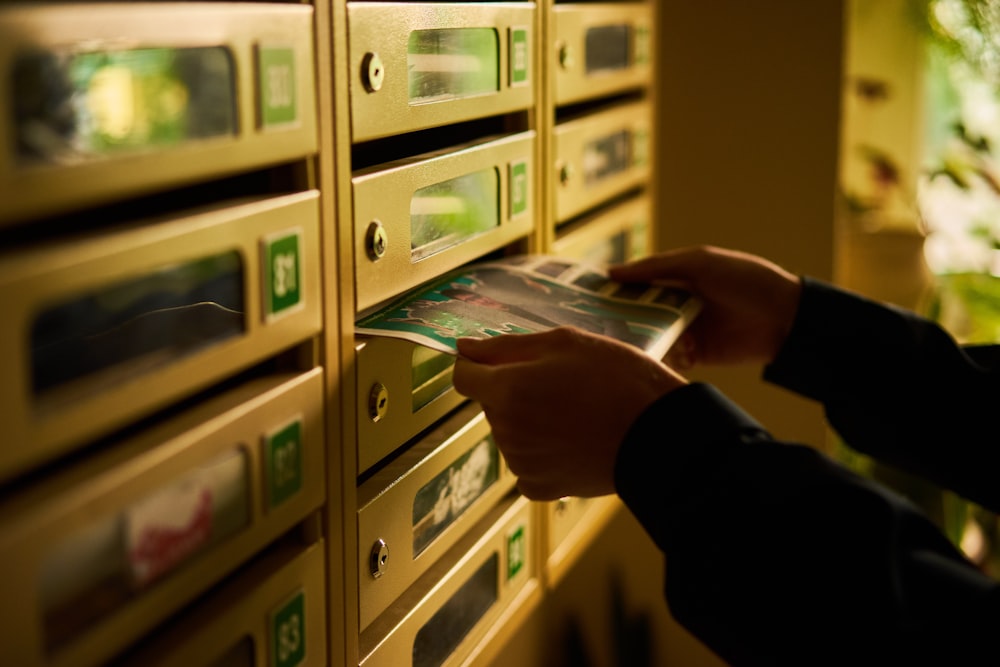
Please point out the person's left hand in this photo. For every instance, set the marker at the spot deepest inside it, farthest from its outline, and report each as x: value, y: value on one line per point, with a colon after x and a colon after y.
x: 560, y: 403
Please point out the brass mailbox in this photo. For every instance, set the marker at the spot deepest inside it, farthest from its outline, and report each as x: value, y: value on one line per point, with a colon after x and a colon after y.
x: 614, y: 234
x: 402, y: 389
x: 447, y: 612
x: 414, y: 509
x: 106, y: 328
x: 140, y: 97
x: 100, y: 553
x: 600, y: 155
x: 601, y: 49
x: 274, y: 613
x: 419, y: 65
x: 570, y: 524
x: 417, y: 218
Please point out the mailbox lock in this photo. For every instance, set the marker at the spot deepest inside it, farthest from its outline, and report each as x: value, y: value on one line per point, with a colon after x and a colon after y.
x: 377, y: 240
x: 372, y: 72
x: 565, y: 173
x: 378, y: 402
x: 379, y: 558
x: 565, y: 56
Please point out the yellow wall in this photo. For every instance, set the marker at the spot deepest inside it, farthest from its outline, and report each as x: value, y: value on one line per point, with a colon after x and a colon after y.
x: 750, y: 99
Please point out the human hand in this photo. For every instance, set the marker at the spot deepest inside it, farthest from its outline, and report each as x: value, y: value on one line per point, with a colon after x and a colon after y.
x: 748, y: 303
x: 560, y: 403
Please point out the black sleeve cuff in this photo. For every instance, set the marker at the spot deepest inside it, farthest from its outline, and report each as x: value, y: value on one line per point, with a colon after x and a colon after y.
x: 839, y: 336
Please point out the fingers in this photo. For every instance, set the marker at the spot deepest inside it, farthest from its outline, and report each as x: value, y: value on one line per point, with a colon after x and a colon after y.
x: 473, y: 380
x: 480, y: 361
x: 506, y: 349
x: 475, y: 369
x: 559, y: 404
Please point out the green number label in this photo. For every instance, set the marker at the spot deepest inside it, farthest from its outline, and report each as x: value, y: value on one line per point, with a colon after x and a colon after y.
x: 518, y: 188
x: 519, y: 60
x: 283, y: 454
x: 516, y: 552
x: 276, y: 72
x: 282, y: 273
x: 641, y: 54
x: 288, y: 633
x: 640, y: 147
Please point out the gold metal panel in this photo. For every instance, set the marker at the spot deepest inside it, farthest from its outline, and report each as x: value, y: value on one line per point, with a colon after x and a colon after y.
x: 601, y: 155
x: 570, y: 524
x: 41, y: 426
x: 87, y: 531
x: 383, y: 197
x: 271, y: 51
x: 610, y: 236
x: 383, y: 373
x: 456, y: 451
x: 573, y: 81
x: 380, y: 70
x: 508, y: 532
x: 274, y: 613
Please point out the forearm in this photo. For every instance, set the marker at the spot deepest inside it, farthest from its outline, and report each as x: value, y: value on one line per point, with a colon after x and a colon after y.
x: 776, y: 555
x: 897, y: 387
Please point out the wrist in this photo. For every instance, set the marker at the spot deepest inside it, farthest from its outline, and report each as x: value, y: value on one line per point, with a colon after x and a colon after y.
x: 786, y: 304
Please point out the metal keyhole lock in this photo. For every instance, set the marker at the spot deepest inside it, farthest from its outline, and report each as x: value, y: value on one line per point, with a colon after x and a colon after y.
x: 372, y: 72
x: 379, y: 558
x: 566, y: 58
x: 378, y: 401
x: 376, y: 240
x: 565, y: 173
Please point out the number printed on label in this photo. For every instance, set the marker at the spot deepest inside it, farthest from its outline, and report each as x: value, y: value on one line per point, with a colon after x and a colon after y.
x: 285, y: 274
x: 279, y: 82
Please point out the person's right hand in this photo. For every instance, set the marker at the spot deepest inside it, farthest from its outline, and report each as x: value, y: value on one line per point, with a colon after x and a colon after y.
x: 748, y: 303
x: 560, y: 403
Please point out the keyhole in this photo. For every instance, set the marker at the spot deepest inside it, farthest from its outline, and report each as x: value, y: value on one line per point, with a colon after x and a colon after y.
x: 378, y: 402
x: 372, y: 72
x: 379, y: 559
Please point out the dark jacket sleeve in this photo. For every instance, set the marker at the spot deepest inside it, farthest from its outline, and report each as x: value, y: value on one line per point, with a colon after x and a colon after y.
x: 777, y: 555
x: 898, y: 388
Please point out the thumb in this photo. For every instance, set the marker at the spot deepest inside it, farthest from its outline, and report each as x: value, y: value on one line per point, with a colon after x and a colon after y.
x: 675, y: 265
